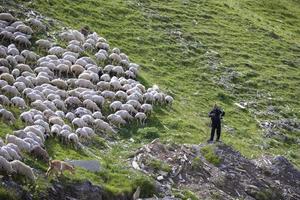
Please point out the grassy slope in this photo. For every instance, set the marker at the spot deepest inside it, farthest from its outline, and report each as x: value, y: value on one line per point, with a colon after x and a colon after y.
x: 171, y: 41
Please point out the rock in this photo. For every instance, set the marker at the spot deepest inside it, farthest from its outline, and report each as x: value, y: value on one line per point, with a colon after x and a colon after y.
x: 160, y: 178
x: 91, y: 165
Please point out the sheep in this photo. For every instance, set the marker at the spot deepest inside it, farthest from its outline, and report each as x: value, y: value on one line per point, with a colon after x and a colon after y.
x: 14, y: 147
x: 134, y: 103
x: 82, y: 111
x: 56, y: 120
x: 97, y: 115
x: 23, y: 68
x: 56, y: 50
x: 44, y: 124
x: 7, y: 116
x: 158, y: 97
x: 61, y: 84
x: 20, y: 86
x: 60, y: 114
x: 55, y: 130
x: 116, y: 120
x: 73, y: 139
x: 39, y: 105
x: 37, y: 24
x: 5, y: 154
x: 22, y: 41
x: 121, y: 95
x: 3, y: 83
x: 108, y: 94
x: 115, y: 58
x: 23, y: 169
x: 129, y: 108
x: 78, y: 122
x: 118, y: 70
x: 19, y: 102
x: 13, y: 154
x: 141, y: 117
x: 76, y: 70
x: 103, y: 85
x: 89, y: 104
x: 70, y: 116
x: 4, y: 70
x: 147, y: 108
x: 73, y: 102
x: 4, y: 100
x: 29, y: 55
x: 84, y: 83
x: 8, y: 78
x: 7, y: 17
x: 169, y: 100
x: 108, y: 68
x: 148, y: 98
x: 6, y: 35
x: 27, y: 117
x: 116, y: 105
x: 40, y: 153
x: 23, y: 145
x: 102, y: 45
x: 12, y: 61
x: 87, y: 119
x: 24, y: 29
x: 82, y: 134
x: 124, y: 114
x: 115, y: 84
x: 104, y: 126
x: 37, y: 131
x: 5, y: 166
x: 116, y: 50
x: 43, y: 44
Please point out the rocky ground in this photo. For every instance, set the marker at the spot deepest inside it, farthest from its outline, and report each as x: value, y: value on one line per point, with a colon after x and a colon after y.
x: 233, y: 177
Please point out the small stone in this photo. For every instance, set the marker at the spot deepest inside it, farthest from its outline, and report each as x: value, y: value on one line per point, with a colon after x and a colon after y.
x: 160, y: 178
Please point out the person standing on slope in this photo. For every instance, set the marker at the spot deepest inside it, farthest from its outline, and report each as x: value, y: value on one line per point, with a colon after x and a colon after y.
x: 216, y: 115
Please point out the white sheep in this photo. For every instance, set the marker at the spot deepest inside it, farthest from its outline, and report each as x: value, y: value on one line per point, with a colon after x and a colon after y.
x: 23, y: 146
x: 7, y: 17
x: 5, y: 166
x: 169, y: 100
x: 136, y: 104
x: 116, y: 105
x: 84, y: 83
x: 147, y: 108
x: 4, y: 100
x: 27, y: 117
x: 77, y: 70
x: 108, y: 94
x: 8, y: 78
x: 61, y: 84
x: 56, y: 120
x: 141, y: 117
x: 121, y: 95
x: 13, y: 154
x: 97, y: 115
x: 124, y: 114
x: 116, y: 120
x: 5, y: 154
x: 129, y: 108
x: 78, y: 122
x: 103, y: 85
x: 23, y: 169
x: 19, y: 102
x: 89, y: 104
x: 7, y: 116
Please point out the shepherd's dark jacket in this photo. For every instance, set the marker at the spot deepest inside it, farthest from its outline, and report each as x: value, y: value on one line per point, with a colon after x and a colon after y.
x: 216, y: 114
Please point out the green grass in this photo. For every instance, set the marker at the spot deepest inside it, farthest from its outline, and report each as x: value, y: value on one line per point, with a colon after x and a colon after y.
x: 174, y: 42
x: 209, y: 154
x: 189, y: 48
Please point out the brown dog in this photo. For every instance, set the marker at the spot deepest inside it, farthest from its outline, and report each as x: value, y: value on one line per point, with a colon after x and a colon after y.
x: 59, y: 166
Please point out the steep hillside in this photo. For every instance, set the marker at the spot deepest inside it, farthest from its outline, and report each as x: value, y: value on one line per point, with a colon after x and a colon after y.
x: 244, y: 55
x: 205, y: 52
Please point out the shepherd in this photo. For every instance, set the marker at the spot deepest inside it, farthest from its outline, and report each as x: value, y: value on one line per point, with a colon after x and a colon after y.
x: 216, y: 114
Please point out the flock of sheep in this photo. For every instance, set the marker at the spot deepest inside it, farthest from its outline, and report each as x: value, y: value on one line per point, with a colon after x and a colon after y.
x: 63, y: 94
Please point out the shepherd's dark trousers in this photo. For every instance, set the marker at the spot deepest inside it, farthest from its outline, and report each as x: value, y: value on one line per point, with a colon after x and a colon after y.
x: 215, y: 127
